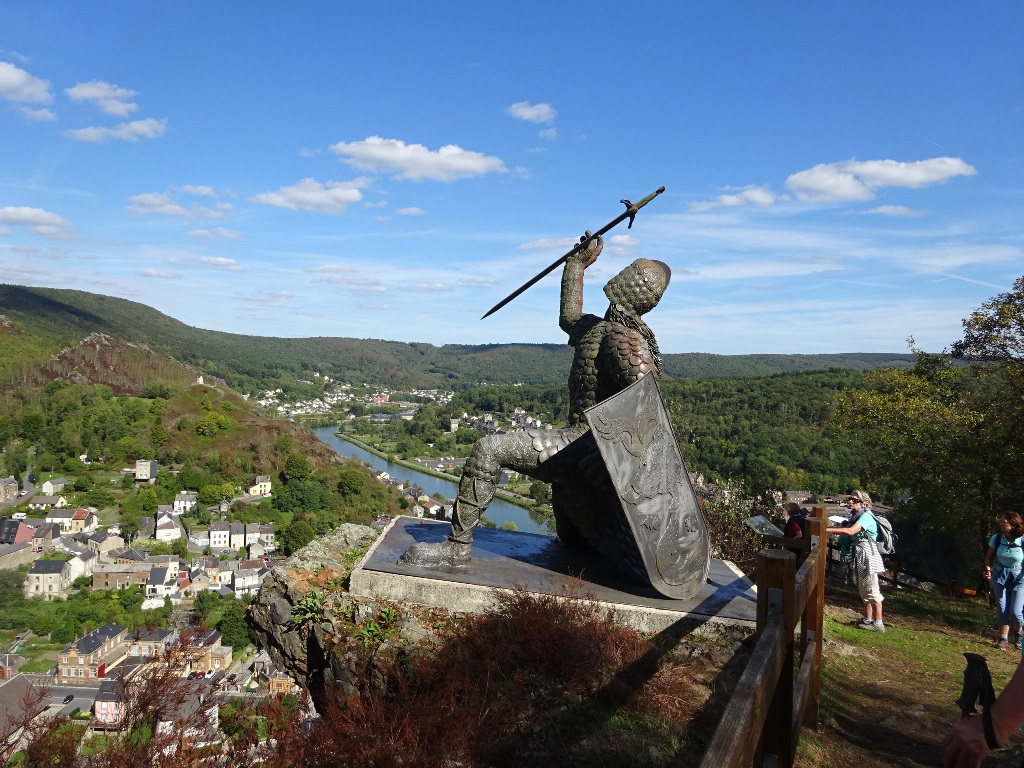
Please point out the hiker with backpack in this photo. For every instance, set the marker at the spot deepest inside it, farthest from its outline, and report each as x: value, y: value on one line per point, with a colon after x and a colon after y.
x: 862, y: 528
x: 1003, y: 563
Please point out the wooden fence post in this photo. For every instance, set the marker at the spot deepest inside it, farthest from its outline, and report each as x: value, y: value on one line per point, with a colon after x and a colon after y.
x: 813, y: 624
x: 776, y: 570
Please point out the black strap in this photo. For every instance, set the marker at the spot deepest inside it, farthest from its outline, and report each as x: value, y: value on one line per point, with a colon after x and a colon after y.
x: 986, y: 724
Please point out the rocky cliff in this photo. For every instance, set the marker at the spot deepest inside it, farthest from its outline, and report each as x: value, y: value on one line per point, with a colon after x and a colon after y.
x: 319, y: 634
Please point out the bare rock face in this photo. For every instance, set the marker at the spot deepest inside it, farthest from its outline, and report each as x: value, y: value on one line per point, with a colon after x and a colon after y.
x: 303, y: 650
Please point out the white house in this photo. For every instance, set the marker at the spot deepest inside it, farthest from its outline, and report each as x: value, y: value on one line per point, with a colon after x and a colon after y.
x: 267, y: 537
x: 252, y: 533
x: 220, y: 536
x: 185, y: 501
x: 82, y: 564
x: 54, y: 485
x: 47, y: 502
x: 162, y: 582
x: 245, y: 581
x: 168, y: 528
x: 62, y: 517
x: 47, y: 579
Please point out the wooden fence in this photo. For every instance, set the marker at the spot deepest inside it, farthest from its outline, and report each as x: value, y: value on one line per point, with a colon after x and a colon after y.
x: 779, y: 689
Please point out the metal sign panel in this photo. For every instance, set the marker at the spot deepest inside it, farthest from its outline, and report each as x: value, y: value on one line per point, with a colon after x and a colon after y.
x: 634, y: 435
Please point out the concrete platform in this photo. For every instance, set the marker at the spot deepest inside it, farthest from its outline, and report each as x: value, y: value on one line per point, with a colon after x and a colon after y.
x: 506, y: 559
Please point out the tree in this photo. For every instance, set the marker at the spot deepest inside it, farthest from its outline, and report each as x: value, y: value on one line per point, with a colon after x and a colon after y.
x: 297, y: 535
x: 129, y: 525
x: 296, y: 467
x: 147, y: 499
x: 204, y: 602
x: 233, y: 627
x: 949, y: 438
x: 995, y: 332
x: 351, y: 482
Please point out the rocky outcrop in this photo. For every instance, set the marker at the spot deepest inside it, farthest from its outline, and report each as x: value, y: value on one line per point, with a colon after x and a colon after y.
x: 328, y: 641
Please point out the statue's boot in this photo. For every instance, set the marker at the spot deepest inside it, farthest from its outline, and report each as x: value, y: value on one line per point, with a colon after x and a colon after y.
x: 458, y: 548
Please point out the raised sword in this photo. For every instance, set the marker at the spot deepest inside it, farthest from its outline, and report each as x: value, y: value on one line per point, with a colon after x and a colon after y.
x: 629, y: 213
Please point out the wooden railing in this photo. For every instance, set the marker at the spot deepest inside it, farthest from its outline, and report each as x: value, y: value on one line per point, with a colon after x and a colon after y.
x: 779, y: 689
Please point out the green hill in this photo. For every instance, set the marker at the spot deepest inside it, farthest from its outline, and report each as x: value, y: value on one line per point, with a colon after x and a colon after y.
x: 37, y: 323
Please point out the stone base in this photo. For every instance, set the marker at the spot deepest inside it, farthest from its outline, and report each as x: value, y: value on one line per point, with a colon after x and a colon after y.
x: 543, y: 564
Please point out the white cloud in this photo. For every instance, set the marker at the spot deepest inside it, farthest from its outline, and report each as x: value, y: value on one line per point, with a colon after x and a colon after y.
x: 858, y: 180
x: 410, y: 212
x: 41, y: 115
x: 18, y: 85
x: 378, y: 307
x: 39, y: 221
x: 149, y: 203
x: 15, y: 272
x: 198, y: 191
x: 218, y: 262
x: 150, y: 128
x: 533, y: 113
x: 477, y: 281
x: 749, y: 195
x: 112, y: 99
x: 310, y: 195
x: 5, y: 231
x: 230, y: 234
x: 414, y: 161
x: 894, y: 210
x: 163, y: 274
x: 330, y: 268
x: 432, y: 287
x: 270, y: 299
x: 549, y: 243
x: 622, y: 245
x: 353, y: 282
x: 549, y: 134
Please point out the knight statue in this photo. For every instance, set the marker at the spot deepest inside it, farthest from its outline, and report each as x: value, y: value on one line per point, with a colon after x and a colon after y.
x: 592, y: 507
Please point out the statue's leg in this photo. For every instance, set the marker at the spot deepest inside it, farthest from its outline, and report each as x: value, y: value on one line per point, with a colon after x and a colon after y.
x: 523, y: 451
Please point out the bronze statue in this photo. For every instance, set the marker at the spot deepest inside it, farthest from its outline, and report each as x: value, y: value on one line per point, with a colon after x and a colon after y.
x: 641, y: 520
x: 619, y: 484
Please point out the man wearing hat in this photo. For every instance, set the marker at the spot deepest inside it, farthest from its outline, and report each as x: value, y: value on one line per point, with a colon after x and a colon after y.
x: 862, y: 528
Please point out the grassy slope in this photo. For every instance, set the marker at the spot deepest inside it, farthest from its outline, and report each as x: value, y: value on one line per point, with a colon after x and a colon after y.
x: 47, y: 319
x: 888, y: 699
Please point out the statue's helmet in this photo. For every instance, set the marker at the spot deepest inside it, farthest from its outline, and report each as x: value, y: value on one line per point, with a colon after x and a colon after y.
x: 640, y: 286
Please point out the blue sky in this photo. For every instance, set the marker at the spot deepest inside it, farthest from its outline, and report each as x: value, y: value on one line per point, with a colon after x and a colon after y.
x: 840, y: 176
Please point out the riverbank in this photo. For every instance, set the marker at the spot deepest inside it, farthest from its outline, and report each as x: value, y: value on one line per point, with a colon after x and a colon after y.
x: 511, y: 498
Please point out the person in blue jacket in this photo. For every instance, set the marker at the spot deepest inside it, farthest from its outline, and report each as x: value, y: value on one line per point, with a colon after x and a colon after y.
x: 862, y: 530
x: 1003, y: 563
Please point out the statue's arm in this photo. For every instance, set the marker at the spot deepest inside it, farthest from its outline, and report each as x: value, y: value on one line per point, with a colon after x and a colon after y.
x: 572, y: 284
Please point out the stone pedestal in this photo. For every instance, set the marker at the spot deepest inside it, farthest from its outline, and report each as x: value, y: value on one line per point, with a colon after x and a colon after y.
x: 543, y: 564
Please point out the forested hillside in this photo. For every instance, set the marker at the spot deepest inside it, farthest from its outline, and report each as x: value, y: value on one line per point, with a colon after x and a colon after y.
x: 765, y: 431
x: 36, y: 323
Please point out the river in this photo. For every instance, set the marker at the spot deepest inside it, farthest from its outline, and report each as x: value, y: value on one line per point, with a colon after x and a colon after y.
x: 498, y: 512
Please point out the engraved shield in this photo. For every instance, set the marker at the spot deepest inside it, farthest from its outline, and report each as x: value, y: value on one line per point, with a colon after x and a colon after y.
x: 636, y: 441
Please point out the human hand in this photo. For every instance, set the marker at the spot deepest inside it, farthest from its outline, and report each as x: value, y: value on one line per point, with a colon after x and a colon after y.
x: 965, y: 745
x: 589, y: 254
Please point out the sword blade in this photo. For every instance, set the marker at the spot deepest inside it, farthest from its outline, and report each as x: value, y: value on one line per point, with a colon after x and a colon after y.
x: 629, y: 213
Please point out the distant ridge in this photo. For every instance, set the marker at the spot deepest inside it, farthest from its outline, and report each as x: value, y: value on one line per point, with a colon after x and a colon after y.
x: 37, y: 323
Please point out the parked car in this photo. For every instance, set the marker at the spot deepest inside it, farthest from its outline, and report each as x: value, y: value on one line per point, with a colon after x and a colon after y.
x: 200, y: 675
x: 192, y: 675
x: 69, y: 698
